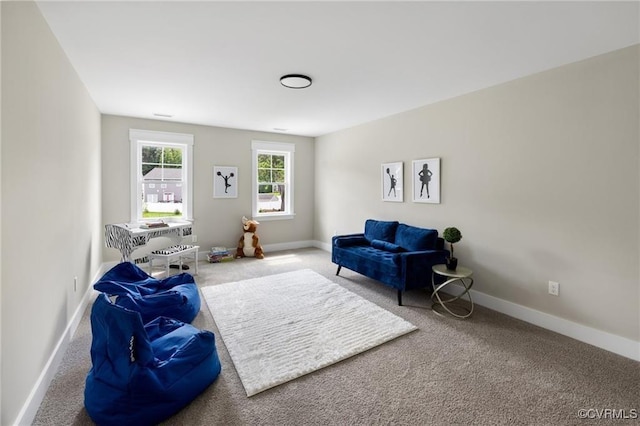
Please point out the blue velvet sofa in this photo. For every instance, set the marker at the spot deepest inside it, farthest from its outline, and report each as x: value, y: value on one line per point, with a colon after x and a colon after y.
x: 398, y: 255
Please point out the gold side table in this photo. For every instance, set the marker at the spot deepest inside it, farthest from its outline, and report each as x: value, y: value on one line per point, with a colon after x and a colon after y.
x: 461, y: 276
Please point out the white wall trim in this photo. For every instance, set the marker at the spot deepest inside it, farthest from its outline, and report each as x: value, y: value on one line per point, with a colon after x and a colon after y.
x: 30, y: 408
x: 610, y: 342
x: 607, y: 341
x: 269, y: 248
x: 293, y: 245
x: 322, y: 246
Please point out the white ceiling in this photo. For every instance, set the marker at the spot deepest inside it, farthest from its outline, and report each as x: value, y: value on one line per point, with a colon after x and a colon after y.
x: 219, y: 64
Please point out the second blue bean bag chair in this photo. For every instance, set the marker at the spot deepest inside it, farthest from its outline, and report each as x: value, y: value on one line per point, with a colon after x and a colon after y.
x: 174, y: 297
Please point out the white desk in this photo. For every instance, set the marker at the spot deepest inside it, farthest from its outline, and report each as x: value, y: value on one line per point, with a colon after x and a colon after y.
x: 127, y: 237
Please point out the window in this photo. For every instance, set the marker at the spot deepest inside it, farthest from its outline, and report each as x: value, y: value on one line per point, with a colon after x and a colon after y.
x: 161, y: 175
x: 272, y: 180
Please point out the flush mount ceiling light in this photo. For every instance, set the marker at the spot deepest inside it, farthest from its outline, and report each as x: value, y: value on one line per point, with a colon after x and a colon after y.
x: 295, y: 81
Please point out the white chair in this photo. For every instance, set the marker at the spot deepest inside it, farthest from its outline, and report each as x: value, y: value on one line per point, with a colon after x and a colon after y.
x: 175, y: 254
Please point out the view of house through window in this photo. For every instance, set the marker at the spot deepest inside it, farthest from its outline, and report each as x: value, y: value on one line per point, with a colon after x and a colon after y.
x: 161, y: 175
x: 162, y: 181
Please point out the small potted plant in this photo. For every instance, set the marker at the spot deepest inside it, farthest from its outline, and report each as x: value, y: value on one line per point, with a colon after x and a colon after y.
x: 452, y: 235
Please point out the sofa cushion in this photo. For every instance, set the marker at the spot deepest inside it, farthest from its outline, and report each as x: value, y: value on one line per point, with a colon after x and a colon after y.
x: 383, y: 245
x: 366, y: 259
x: 413, y: 238
x: 380, y: 230
x: 349, y: 240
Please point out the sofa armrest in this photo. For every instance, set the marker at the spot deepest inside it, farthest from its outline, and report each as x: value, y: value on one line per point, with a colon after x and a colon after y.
x: 349, y: 240
x: 416, y: 265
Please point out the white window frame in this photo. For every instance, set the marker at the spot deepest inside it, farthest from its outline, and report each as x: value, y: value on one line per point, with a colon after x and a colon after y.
x: 139, y: 138
x: 278, y: 148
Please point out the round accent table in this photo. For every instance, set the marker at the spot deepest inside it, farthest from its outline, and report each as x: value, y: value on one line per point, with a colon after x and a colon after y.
x: 460, y: 276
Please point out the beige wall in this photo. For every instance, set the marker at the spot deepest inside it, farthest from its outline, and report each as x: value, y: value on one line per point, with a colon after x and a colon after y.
x: 50, y: 198
x: 0, y: 213
x: 217, y: 221
x: 540, y: 175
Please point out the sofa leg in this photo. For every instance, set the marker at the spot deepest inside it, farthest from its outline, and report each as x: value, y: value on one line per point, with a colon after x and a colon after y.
x: 399, y: 297
x: 338, y: 271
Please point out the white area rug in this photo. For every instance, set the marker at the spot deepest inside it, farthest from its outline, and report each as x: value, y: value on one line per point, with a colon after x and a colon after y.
x: 283, y: 326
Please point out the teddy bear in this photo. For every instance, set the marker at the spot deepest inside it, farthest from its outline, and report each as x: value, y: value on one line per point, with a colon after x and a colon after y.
x: 249, y: 244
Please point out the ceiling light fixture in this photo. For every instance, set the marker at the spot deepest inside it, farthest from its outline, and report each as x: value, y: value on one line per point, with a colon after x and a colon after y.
x: 157, y: 114
x: 295, y: 81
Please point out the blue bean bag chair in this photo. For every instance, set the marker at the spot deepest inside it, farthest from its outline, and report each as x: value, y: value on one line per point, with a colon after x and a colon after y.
x: 174, y: 297
x: 143, y: 374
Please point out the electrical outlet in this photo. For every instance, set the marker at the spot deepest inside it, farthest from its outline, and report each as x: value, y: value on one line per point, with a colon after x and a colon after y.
x: 194, y: 238
x: 554, y: 288
x: 75, y: 283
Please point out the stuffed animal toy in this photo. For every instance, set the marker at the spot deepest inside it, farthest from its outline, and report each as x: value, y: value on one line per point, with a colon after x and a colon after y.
x: 249, y: 244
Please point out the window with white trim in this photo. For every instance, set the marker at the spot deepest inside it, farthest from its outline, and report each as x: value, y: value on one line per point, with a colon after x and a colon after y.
x: 161, y: 175
x: 272, y: 189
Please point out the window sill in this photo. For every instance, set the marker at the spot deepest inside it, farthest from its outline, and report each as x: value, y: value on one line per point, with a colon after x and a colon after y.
x: 268, y: 217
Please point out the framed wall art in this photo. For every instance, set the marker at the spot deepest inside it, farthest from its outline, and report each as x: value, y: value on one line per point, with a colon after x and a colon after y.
x: 392, y: 182
x: 225, y: 182
x: 425, y: 175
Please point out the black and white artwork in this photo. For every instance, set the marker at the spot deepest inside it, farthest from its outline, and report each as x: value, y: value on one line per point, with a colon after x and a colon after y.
x: 426, y: 181
x: 225, y: 182
x: 392, y: 182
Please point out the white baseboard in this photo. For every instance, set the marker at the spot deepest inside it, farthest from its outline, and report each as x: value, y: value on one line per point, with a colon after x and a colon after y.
x: 607, y: 341
x: 293, y: 245
x: 322, y: 246
x: 31, y: 405
x: 269, y: 248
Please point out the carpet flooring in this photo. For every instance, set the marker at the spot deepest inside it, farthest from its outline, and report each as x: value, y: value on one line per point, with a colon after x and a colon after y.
x: 489, y: 369
x: 283, y: 326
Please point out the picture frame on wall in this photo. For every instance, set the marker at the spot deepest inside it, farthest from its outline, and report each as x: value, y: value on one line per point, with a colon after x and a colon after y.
x: 225, y: 182
x: 393, y: 182
x: 426, y: 180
